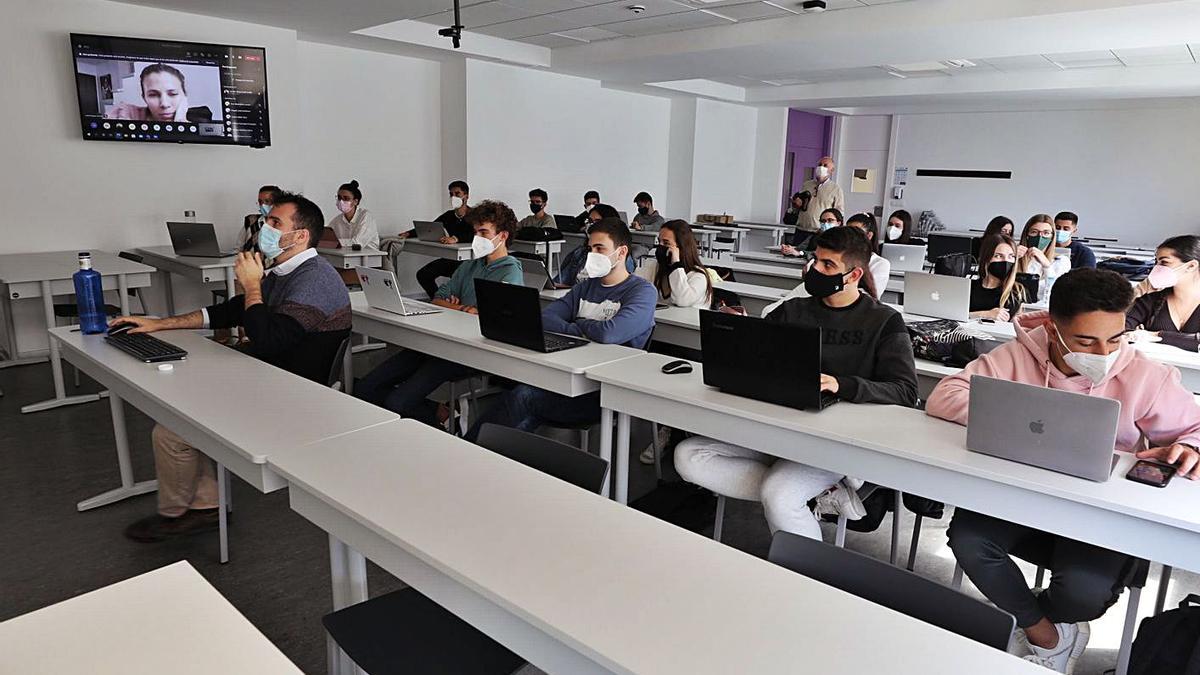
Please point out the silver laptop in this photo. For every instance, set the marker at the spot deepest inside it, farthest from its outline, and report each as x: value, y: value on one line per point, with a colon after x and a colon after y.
x: 535, y: 275
x: 1053, y: 429
x: 623, y: 216
x: 429, y: 231
x: 937, y: 296
x: 196, y: 239
x: 905, y: 257
x: 382, y: 292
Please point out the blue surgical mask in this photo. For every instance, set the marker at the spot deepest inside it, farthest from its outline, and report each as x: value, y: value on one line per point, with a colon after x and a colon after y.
x: 1062, y: 236
x: 264, y: 209
x: 268, y: 242
x: 828, y: 225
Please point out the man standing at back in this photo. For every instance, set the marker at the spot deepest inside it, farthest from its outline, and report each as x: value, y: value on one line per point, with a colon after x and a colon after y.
x: 296, y: 315
x: 826, y: 194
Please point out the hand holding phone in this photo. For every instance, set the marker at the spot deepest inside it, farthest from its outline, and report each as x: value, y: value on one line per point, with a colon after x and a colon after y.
x: 1151, y: 473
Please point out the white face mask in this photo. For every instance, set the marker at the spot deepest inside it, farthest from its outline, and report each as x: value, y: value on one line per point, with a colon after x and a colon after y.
x: 482, y: 247
x: 1092, y: 366
x: 821, y: 172
x: 597, y: 265
x: 456, y: 202
x: 894, y: 232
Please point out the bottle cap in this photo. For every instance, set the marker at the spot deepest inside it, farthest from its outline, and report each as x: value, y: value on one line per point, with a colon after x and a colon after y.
x: 85, y: 254
x: 165, y: 367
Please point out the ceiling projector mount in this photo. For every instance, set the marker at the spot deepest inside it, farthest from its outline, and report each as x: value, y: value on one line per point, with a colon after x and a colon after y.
x: 454, y: 32
x: 813, y: 5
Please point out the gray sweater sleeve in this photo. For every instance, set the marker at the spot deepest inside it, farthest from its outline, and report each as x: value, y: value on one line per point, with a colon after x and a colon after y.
x: 894, y: 376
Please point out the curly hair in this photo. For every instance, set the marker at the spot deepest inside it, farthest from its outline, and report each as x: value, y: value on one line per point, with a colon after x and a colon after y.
x: 497, y: 213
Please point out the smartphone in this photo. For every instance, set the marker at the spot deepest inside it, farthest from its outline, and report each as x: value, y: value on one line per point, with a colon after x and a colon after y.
x: 1151, y: 473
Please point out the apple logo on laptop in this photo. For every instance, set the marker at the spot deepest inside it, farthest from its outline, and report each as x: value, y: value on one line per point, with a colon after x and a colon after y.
x: 903, y: 258
x: 935, y: 296
x: 1037, y: 427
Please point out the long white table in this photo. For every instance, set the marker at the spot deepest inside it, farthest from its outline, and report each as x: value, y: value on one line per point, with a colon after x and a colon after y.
x: 347, y: 258
x: 786, y: 277
x: 769, y: 258
x: 558, y: 575
x: 905, y: 449
x: 45, y: 275
x: 773, y: 231
x: 436, y: 249
x: 202, y: 270
x: 229, y: 429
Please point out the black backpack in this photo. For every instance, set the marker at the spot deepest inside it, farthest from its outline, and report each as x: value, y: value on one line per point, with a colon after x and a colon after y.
x: 954, y: 265
x: 1169, y: 644
x: 533, y: 233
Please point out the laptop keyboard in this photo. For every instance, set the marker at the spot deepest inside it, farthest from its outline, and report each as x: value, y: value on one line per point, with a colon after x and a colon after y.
x: 554, y: 341
x: 146, y: 348
x: 828, y: 399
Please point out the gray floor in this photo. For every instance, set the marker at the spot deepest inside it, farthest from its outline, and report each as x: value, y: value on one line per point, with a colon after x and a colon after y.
x: 278, y: 575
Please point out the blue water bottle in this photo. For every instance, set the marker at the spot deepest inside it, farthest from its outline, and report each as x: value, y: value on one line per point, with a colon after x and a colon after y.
x: 89, y: 296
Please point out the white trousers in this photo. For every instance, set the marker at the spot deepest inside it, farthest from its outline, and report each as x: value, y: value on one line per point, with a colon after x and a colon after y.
x: 783, y: 487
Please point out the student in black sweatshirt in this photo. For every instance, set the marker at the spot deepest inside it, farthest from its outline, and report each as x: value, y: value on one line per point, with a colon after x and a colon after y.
x: 457, y: 230
x: 866, y: 357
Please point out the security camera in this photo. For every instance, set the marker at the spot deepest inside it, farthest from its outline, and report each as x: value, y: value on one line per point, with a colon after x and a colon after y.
x: 813, y: 6
x: 637, y: 9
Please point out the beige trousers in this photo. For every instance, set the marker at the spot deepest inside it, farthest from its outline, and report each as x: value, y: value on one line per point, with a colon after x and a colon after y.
x: 186, y: 478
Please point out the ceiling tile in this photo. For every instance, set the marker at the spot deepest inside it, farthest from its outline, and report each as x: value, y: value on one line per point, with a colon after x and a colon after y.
x: 666, y: 24
x: 551, y: 40
x: 535, y: 7
x: 520, y: 28
x: 591, y: 34
x: 1089, y: 59
x: 483, y: 14
x: 614, y: 12
x: 830, y: 4
x: 750, y: 11
x: 1155, y: 56
x: 1013, y: 64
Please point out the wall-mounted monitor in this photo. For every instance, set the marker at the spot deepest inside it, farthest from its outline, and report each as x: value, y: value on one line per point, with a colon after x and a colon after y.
x: 164, y: 91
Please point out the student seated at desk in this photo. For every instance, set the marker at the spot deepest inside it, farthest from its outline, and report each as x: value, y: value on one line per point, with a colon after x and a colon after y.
x: 1066, y: 226
x: 570, y: 270
x: 537, y: 210
x: 590, y: 199
x: 899, y: 229
x: 999, y: 225
x: 296, y: 314
x: 996, y: 295
x: 611, y: 306
x: 402, y: 383
x: 248, y: 237
x: 1036, y: 254
x: 829, y: 218
x: 457, y: 229
x: 354, y: 224
x: 881, y: 267
x: 675, y: 271
x: 1171, y: 313
x: 647, y: 218
x: 1078, y: 346
x: 866, y: 357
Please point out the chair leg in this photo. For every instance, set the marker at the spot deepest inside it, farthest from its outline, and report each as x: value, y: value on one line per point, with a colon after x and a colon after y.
x: 585, y: 438
x: 658, y: 450
x: 76, y: 375
x: 452, y: 403
x: 1135, y: 595
x: 1040, y: 577
x: 719, y: 521
x: 222, y: 515
x: 896, y: 527
x: 1164, y: 584
x: 839, y: 537
x: 916, y: 539
x: 956, y: 580
x: 228, y: 492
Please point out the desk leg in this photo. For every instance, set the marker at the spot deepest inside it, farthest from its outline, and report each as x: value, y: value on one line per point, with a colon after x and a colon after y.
x: 222, y: 514
x: 348, y: 573
x: 128, y: 487
x: 60, y: 395
x: 606, y: 439
x: 123, y: 289
x: 621, y: 458
x: 348, y: 372
x: 168, y: 292
x: 230, y: 283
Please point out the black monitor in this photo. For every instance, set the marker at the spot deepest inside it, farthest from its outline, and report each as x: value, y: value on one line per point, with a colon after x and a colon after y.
x: 945, y: 243
x: 164, y: 91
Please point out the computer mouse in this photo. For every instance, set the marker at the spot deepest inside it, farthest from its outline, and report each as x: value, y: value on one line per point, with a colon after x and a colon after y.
x: 356, y: 247
x: 677, y: 368
x: 118, y: 328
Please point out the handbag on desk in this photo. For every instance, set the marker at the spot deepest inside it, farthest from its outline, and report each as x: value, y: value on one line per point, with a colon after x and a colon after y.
x: 948, y: 342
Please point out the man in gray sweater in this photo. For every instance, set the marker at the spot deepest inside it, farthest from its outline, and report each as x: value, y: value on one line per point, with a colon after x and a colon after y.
x: 866, y: 357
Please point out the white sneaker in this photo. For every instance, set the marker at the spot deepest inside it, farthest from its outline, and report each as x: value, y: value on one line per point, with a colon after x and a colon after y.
x: 1072, y: 640
x: 841, y: 499
x: 1018, y: 643
x: 664, y: 437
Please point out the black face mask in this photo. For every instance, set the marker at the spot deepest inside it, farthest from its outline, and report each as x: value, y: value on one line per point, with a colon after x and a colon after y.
x: 663, y: 255
x: 534, y: 208
x: 821, y: 285
x: 643, y: 210
x: 1000, y: 269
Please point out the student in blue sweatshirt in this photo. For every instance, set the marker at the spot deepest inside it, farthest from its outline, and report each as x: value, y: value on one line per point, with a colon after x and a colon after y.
x: 610, y: 306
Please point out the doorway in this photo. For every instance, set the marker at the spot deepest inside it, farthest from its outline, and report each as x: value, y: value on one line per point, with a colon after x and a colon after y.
x: 809, y: 139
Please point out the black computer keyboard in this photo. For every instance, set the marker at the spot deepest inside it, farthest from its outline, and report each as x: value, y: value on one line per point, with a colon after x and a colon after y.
x: 828, y: 399
x: 556, y: 342
x: 145, y: 348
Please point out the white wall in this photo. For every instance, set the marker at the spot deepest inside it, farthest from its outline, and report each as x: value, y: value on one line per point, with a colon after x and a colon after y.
x: 1130, y: 174
x: 862, y: 143
x: 769, y: 155
x: 527, y: 128
x: 723, y: 163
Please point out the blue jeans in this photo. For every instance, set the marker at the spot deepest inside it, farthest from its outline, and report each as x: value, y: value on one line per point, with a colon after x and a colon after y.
x: 527, y: 408
x: 402, y: 383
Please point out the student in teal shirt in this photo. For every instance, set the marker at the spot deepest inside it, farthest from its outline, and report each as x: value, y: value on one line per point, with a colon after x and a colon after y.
x: 402, y: 383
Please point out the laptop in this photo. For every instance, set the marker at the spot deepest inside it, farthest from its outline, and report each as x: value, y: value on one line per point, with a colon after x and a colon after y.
x: 382, y: 292
x: 429, y: 231
x: 937, y: 296
x: 197, y: 239
x: 513, y: 315
x: 905, y: 257
x: 623, y: 216
x: 945, y: 243
x: 759, y: 373
x: 535, y: 275
x: 567, y: 223
x: 1057, y: 430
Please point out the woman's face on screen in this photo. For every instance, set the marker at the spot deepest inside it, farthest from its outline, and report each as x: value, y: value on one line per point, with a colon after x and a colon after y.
x: 163, y: 93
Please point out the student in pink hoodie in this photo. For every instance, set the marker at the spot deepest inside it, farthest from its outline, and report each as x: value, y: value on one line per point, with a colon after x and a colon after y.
x: 1079, y: 346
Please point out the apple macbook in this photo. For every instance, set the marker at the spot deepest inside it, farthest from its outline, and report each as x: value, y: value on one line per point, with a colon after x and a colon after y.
x: 905, y: 257
x: 1049, y: 428
x: 513, y: 315
x: 382, y: 292
x: 196, y: 239
x: 429, y: 231
x: 937, y: 296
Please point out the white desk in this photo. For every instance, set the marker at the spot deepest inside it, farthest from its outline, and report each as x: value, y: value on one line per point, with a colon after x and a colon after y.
x: 737, y: 232
x: 435, y: 249
x: 558, y: 574
x: 203, y: 270
x: 679, y: 326
x: 549, y: 296
x: 755, y: 298
x: 769, y: 258
x: 551, y: 251
x: 169, y: 620
x: 45, y: 275
x: 773, y: 231
x: 347, y: 258
x: 228, y: 428
x: 905, y: 449
x: 786, y: 277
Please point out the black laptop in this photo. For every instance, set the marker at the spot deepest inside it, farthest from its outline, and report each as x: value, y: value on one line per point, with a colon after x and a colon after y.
x: 512, y: 314
x: 741, y: 356
x: 568, y: 223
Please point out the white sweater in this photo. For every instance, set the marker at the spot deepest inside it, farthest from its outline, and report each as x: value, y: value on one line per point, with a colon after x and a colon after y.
x: 688, y: 289
x: 1058, y: 267
x: 362, y: 230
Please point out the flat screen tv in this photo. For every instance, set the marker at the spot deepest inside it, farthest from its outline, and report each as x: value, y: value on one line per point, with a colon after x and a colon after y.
x: 163, y: 91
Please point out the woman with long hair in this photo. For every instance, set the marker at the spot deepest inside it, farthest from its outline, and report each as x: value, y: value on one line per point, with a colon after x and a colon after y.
x: 676, y: 271
x: 996, y: 295
x: 1171, y: 313
x: 1036, y: 253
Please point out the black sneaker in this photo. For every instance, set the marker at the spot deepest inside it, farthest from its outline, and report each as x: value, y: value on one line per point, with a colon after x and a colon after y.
x: 158, y: 528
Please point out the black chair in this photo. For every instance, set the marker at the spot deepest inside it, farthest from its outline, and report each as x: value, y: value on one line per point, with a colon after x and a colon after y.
x: 338, y: 367
x: 406, y: 632
x: 894, y: 588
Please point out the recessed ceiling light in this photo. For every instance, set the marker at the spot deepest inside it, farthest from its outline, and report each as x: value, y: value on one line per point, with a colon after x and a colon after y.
x: 896, y: 74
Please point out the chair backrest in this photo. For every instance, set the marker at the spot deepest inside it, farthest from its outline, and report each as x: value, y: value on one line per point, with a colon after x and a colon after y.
x: 548, y: 456
x: 130, y: 255
x: 336, y: 368
x: 893, y: 587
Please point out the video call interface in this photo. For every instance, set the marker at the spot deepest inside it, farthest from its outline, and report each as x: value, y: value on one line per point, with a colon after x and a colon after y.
x: 175, y: 92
